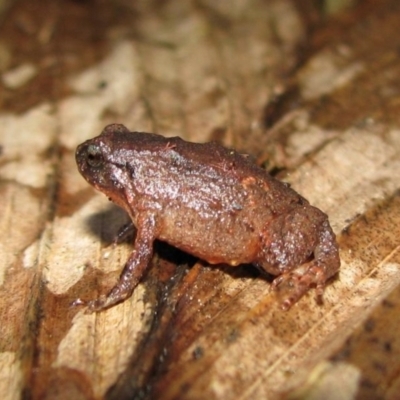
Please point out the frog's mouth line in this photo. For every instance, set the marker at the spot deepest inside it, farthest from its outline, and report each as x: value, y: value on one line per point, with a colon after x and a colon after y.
x: 118, y: 196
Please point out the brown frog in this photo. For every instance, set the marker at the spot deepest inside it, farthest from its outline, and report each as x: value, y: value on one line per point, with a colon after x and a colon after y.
x: 211, y: 202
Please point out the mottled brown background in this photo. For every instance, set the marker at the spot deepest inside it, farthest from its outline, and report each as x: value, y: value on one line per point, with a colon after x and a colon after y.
x: 310, y: 88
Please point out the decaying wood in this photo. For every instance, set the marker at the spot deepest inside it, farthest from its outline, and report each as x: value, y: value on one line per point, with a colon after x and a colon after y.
x: 228, y: 71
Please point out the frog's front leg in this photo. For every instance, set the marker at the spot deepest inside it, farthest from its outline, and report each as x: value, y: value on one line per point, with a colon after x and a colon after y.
x: 316, y: 273
x: 124, y: 233
x: 137, y: 263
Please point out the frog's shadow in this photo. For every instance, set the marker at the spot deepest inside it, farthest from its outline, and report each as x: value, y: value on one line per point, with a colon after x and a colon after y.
x: 107, y: 223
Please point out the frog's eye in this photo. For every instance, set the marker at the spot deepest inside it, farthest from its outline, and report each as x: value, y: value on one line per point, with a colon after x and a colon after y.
x: 130, y: 169
x: 94, y: 156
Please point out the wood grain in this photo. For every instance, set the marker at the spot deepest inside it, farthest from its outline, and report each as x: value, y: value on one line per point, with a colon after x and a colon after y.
x: 312, y: 97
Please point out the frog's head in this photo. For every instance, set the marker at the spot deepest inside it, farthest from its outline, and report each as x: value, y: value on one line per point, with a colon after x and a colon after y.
x: 100, y: 163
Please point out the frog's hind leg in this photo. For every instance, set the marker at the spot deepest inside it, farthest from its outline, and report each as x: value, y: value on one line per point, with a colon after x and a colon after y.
x: 314, y: 273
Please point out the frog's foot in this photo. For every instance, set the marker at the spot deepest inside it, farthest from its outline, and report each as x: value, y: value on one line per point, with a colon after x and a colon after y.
x: 94, y: 305
x: 103, y: 302
x: 118, y: 294
x: 78, y: 302
x: 297, y: 282
x: 99, y: 304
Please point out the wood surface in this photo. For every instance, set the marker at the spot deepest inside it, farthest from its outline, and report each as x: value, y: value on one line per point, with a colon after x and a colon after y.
x: 313, y: 96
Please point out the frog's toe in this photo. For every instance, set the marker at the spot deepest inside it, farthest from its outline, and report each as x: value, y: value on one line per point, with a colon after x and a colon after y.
x: 94, y: 305
x: 295, y: 284
x: 78, y: 302
x: 97, y: 305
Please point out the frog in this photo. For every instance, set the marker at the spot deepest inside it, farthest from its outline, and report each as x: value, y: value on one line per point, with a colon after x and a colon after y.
x: 211, y: 202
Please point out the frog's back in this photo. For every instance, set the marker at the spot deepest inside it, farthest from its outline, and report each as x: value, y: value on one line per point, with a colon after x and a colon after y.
x: 201, y: 174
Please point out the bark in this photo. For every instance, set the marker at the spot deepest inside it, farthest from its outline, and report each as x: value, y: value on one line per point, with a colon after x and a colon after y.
x: 313, y: 97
